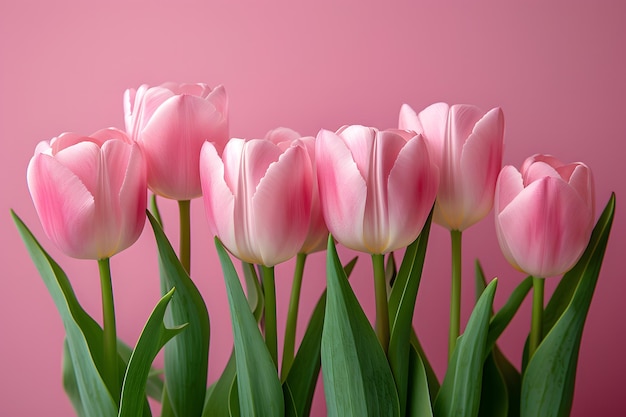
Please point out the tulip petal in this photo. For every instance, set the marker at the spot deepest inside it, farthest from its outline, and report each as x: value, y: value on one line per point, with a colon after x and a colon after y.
x: 546, y: 227
x: 481, y: 161
x: 64, y: 205
x: 434, y: 119
x: 172, y: 140
x: 281, y: 207
x: 359, y: 140
x: 408, y: 119
x: 342, y: 190
x: 413, y: 183
x: 581, y: 180
x: 219, y: 200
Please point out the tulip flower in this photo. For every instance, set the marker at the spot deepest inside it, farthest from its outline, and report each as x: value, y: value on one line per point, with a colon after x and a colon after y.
x: 544, y: 215
x: 258, y: 202
x: 466, y: 144
x: 170, y: 123
x: 90, y: 195
x: 89, y: 192
x: 317, y: 239
x: 377, y: 189
x: 544, y: 218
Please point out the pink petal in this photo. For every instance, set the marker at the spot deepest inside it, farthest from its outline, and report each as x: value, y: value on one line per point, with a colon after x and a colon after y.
x: 342, y: 190
x: 282, y: 134
x: 546, y: 227
x: 581, y: 180
x: 359, y: 140
x: 218, y: 198
x: 281, y: 207
x: 172, y: 140
x: 65, y: 207
x: 508, y: 186
x: 434, y: 119
x: 133, y: 198
x: 147, y: 101
x: 408, y: 119
x: 413, y: 183
x: 537, y: 171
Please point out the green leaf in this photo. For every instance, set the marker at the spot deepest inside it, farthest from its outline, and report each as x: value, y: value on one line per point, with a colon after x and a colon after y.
x: 259, y: 389
x: 459, y: 394
x: 418, y: 398
x: 357, y: 377
x: 216, y: 404
x: 154, y: 208
x: 401, y: 308
x: 548, y: 381
x: 186, y: 357
x: 433, y: 382
x: 500, y: 394
x: 255, y: 296
x: 154, y: 387
x: 153, y: 337
x: 84, y: 335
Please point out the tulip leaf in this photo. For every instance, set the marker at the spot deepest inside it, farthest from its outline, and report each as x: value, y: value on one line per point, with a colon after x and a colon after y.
x: 433, y: 382
x: 459, y: 394
x: 216, y: 404
x: 304, y: 372
x: 84, y: 336
x: 186, y: 357
x: 154, y: 208
x: 548, y: 380
x: 357, y: 377
x: 154, y: 386
x: 153, y: 337
x: 418, y: 395
x: 258, y: 387
x: 255, y: 292
x: 500, y: 395
x: 401, y: 308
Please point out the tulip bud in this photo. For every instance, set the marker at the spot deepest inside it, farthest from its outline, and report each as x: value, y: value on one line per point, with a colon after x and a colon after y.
x: 257, y: 198
x: 89, y: 192
x: 544, y: 215
x: 171, y: 122
x: 317, y: 237
x: 376, y: 187
x: 466, y: 144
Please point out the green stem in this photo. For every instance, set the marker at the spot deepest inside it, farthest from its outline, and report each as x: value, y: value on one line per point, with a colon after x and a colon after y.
x: 292, y: 316
x: 185, y: 234
x: 382, y: 307
x: 536, y: 326
x: 110, y: 334
x: 271, y: 336
x: 455, y: 292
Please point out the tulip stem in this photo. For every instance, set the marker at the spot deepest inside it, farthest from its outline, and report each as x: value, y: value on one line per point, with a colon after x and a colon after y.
x: 292, y: 316
x: 455, y: 292
x: 382, y: 307
x: 110, y: 370
x: 536, y: 326
x: 269, y: 290
x: 185, y: 234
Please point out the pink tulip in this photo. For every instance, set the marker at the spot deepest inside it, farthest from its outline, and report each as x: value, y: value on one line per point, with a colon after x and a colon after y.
x: 258, y: 198
x: 376, y: 187
x: 544, y: 216
x: 89, y: 192
x: 317, y: 237
x: 467, y: 145
x: 171, y: 122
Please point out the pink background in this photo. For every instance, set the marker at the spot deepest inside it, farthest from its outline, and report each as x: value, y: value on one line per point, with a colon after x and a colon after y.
x: 558, y: 71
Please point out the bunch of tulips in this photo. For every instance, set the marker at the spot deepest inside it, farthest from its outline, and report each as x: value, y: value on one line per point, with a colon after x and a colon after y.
x: 285, y: 196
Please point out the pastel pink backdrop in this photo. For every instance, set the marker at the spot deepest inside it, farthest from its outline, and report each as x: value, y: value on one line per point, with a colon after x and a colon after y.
x: 557, y: 70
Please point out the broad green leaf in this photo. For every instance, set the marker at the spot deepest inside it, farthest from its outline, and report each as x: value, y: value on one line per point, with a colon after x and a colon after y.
x: 433, y: 382
x: 418, y: 398
x: 501, y: 381
x: 290, y: 406
x: 83, y: 334
x: 304, y: 372
x: 401, y: 308
x: 459, y: 394
x: 548, y: 380
x: 357, y: 377
x: 153, y: 337
x: 217, y: 400
x: 154, y: 208
x: 186, y: 357
x: 258, y: 387
x: 154, y: 387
